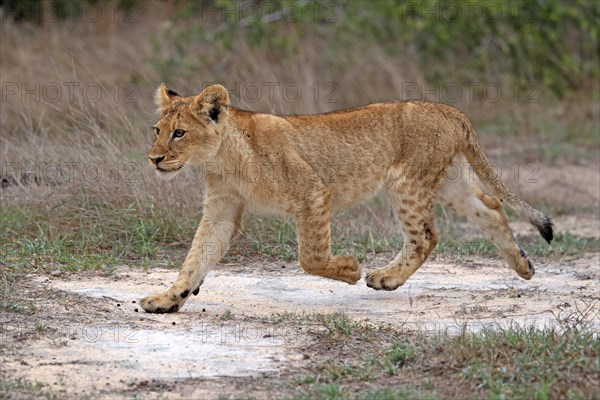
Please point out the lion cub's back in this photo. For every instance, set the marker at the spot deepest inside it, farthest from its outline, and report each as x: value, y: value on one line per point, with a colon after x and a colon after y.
x: 350, y: 150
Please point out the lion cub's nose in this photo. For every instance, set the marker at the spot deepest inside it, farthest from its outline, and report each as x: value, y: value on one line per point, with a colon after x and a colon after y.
x: 156, y: 159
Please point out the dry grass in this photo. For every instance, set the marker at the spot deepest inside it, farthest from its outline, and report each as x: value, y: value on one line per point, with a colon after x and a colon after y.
x: 112, y: 135
x: 78, y: 219
x: 516, y: 362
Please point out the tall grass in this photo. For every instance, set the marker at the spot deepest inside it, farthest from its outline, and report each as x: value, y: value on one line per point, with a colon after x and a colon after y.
x: 79, y: 161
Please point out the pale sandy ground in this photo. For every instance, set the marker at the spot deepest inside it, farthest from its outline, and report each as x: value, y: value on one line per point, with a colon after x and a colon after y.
x: 93, y: 343
x: 88, y: 351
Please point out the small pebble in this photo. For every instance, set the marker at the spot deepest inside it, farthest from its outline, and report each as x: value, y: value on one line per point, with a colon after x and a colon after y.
x: 135, y: 309
x: 118, y: 305
x: 283, y: 266
x: 133, y: 302
x: 204, y: 310
x: 173, y: 322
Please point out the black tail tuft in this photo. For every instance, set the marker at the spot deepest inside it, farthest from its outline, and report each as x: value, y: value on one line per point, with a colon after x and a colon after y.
x: 546, y: 229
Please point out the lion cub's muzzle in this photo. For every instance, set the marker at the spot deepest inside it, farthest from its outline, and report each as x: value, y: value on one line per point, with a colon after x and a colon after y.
x: 156, y: 159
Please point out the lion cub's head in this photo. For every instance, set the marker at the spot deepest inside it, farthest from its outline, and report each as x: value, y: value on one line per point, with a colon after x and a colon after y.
x: 190, y: 129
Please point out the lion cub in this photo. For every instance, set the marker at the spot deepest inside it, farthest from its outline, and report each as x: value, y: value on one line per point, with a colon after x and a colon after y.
x: 308, y: 166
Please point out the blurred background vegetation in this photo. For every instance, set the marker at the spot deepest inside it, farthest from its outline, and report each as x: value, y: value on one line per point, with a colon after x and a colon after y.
x: 550, y: 42
x: 282, y: 57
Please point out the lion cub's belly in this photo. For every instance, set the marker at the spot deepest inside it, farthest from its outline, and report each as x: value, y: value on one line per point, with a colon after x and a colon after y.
x: 345, y: 194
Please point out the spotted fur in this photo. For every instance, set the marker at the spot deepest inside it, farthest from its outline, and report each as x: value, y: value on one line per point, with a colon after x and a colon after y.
x: 308, y: 166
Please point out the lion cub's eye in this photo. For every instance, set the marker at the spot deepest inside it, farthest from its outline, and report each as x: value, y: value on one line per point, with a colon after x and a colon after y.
x: 177, y: 133
x: 156, y: 130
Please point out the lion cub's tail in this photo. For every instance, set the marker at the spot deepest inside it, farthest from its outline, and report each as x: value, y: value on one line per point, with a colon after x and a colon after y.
x: 481, y: 165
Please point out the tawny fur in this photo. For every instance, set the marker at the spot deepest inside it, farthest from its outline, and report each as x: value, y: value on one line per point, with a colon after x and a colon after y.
x: 309, y: 166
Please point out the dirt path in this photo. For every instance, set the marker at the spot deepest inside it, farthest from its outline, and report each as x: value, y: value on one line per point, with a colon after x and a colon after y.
x: 437, y: 297
x: 87, y: 339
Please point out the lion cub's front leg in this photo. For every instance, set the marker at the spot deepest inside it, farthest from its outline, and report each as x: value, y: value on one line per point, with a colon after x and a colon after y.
x: 222, y: 218
x: 313, y: 230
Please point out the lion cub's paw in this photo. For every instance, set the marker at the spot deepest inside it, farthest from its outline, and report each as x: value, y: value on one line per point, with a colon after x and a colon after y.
x: 383, y: 280
x: 161, y: 303
x: 347, y: 269
x: 524, y: 267
x: 527, y: 274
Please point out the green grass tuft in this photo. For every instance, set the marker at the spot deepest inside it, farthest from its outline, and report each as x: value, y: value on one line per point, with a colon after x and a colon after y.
x: 513, y: 362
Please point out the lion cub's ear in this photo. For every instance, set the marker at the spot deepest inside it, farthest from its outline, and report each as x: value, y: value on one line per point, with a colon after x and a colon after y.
x: 164, y: 97
x: 213, y: 101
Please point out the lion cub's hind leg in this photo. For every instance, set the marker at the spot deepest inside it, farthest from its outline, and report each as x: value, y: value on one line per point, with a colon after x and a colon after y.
x: 486, y: 213
x: 313, y: 231
x: 413, y: 204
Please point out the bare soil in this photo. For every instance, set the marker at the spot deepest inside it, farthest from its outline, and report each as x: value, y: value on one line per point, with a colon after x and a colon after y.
x: 85, y: 336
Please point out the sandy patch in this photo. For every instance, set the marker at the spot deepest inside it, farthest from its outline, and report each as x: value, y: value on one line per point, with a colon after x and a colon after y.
x: 99, y: 344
